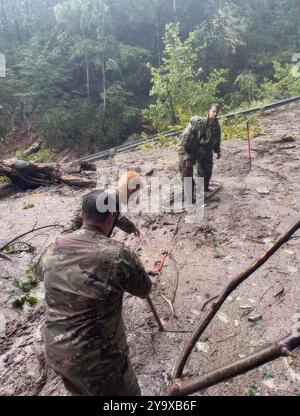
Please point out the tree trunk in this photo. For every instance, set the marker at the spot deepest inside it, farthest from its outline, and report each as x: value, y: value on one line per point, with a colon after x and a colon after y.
x: 5, y: 22
x: 174, y: 119
x: 17, y: 26
x: 34, y: 148
x: 87, y: 79
x: 158, y: 35
x: 104, y: 88
x: 175, y: 11
x: 27, y: 175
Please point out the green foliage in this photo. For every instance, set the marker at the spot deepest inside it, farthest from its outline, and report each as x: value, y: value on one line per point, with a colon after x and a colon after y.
x: 247, y: 84
x: 216, y: 253
x: 43, y: 155
x: 269, y: 374
x: 8, y: 249
x: 284, y: 83
x: 28, y: 206
x: 5, y: 179
x: 64, y: 126
x: 19, y: 302
x: 253, y: 390
x: 222, y: 34
x: 120, y: 112
x: 236, y: 128
x: 256, y: 319
x: 178, y: 91
x: 77, y: 69
x: 25, y: 287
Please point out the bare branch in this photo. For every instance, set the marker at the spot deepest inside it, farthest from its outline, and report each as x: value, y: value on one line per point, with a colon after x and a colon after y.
x: 27, y: 232
x: 192, y: 385
x: 215, y: 306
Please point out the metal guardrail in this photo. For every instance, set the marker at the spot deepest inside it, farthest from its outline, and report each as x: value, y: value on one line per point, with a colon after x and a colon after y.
x: 172, y: 133
x: 263, y: 108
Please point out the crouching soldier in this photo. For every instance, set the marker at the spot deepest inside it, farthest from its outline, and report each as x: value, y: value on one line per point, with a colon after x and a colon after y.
x: 86, y: 275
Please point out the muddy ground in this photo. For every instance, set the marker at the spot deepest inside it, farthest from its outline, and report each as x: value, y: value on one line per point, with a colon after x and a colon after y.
x: 253, y: 208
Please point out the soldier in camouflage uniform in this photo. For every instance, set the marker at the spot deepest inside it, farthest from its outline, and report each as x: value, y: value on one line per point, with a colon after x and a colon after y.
x: 199, y: 140
x: 128, y: 184
x: 86, y: 275
x: 188, y: 146
x: 208, y: 143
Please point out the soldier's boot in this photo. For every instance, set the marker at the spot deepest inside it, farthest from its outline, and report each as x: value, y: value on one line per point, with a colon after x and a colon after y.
x: 207, y: 189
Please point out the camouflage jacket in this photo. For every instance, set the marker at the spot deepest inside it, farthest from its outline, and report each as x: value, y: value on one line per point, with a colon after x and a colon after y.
x: 195, y: 142
x: 85, y: 275
x: 75, y: 222
x: 187, y: 147
x: 209, y: 140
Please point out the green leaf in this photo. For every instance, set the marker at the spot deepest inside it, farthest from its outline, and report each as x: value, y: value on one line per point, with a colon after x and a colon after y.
x: 31, y: 300
x: 28, y: 206
x: 216, y: 253
x: 253, y: 390
x: 255, y: 319
x: 6, y: 180
x: 8, y: 249
x: 268, y: 374
x: 19, y: 302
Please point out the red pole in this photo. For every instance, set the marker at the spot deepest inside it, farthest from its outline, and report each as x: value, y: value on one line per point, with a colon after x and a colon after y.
x: 249, y: 143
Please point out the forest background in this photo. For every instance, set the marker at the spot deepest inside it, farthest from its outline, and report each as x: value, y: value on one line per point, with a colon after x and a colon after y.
x: 90, y: 73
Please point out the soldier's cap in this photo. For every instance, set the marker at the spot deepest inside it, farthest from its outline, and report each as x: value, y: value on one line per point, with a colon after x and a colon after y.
x: 98, y: 204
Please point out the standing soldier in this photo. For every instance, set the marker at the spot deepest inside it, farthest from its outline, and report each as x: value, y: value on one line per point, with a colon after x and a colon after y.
x: 200, y: 139
x: 188, y: 147
x: 208, y: 143
x: 86, y: 275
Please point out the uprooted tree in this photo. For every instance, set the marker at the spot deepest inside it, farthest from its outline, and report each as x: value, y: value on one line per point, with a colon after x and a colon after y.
x: 28, y: 175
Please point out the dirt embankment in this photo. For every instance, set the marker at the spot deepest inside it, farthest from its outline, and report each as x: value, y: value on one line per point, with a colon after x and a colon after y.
x: 254, y: 207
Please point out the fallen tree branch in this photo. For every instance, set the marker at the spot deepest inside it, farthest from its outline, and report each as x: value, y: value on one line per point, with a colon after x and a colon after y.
x: 28, y: 175
x: 207, y: 318
x: 152, y: 307
x: 21, y: 247
x: 192, y: 385
x: 5, y: 257
x: 177, y: 278
x: 27, y: 232
x: 170, y: 304
x: 208, y: 301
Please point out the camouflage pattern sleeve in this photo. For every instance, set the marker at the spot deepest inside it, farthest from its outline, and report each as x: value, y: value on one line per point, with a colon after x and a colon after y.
x: 74, y: 223
x: 125, y: 225
x: 186, y: 143
x: 131, y: 275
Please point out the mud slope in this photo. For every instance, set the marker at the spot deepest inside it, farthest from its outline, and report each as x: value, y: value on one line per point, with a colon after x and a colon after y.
x: 251, y: 211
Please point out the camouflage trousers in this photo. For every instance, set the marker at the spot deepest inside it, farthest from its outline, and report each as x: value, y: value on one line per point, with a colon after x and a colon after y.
x: 186, y: 168
x: 204, y: 168
x: 121, y: 381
